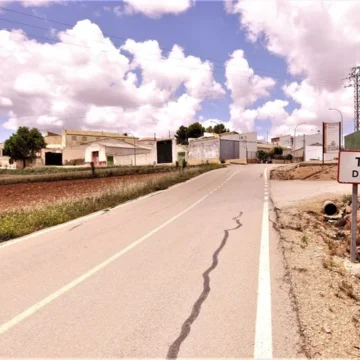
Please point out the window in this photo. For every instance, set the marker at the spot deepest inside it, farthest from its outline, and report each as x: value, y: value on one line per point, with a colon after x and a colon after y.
x: 84, y: 138
x: 73, y: 138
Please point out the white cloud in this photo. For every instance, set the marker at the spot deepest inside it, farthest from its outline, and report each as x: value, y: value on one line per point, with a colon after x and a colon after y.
x: 174, y: 70
x: 156, y: 8
x: 318, y: 40
x: 118, y: 10
x: 29, y: 3
x: 212, y: 122
x: 95, y: 85
x: 32, y: 3
x: 246, y: 87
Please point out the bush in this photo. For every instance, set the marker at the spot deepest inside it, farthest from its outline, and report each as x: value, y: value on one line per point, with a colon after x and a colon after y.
x: 288, y: 157
x: 261, y: 155
x: 278, y: 150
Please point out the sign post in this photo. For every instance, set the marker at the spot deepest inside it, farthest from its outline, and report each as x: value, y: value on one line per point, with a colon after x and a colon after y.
x: 331, y: 138
x: 349, y: 173
x: 353, y: 250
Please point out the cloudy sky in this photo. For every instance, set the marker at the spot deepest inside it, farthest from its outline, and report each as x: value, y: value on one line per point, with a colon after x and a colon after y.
x: 149, y: 66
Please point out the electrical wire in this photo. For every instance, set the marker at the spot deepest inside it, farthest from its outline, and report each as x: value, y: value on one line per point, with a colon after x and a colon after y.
x: 262, y: 72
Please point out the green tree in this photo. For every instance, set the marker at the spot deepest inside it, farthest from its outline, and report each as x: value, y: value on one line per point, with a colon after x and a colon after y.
x: 278, y: 150
x: 181, y: 135
x: 195, y: 130
x: 261, y: 155
x: 24, y: 144
x: 220, y: 128
x: 209, y: 129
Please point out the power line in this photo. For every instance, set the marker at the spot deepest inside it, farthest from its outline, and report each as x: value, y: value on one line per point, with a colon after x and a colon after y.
x: 262, y: 72
x: 354, y: 76
x: 143, y: 58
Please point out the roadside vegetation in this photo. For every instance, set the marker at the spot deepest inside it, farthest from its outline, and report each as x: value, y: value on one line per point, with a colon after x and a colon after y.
x: 16, y: 223
x: 47, y: 174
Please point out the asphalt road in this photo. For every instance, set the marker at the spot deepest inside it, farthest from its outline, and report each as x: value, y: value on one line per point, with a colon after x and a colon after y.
x: 173, y: 275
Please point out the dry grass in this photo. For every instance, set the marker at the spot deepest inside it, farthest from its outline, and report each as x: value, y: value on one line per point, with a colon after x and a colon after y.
x: 46, y: 174
x: 21, y: 222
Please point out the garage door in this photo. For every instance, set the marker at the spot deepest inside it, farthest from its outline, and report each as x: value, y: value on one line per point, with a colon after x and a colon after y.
x: 53, y: 159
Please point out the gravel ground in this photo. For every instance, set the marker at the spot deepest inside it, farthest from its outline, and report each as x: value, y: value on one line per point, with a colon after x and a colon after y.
x: 15, y: 196
x: 326, y: 294
x: 298, y: 172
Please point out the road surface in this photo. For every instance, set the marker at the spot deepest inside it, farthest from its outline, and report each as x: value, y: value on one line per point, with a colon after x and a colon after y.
x: 178, y: 274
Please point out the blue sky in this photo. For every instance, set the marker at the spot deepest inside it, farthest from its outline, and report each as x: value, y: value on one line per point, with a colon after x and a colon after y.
x: 205, y: 30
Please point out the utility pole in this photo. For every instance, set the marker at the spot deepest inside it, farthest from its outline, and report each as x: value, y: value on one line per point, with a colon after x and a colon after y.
x: 355, y: 77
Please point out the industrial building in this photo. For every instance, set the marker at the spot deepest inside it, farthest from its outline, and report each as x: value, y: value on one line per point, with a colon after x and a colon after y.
x: 352, y: 141
x: 227, y: 146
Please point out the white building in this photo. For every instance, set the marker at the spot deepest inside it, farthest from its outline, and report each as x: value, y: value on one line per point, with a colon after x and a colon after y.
x: 116, y: 152
x: 148, y: 151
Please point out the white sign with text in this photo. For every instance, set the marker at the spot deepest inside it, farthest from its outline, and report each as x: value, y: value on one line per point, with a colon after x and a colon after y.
x: 331, y: 137
x: 349, y: 167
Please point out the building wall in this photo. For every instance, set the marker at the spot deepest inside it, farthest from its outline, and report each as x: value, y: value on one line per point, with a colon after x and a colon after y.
x: 229, y: 149
x: 53, y: 140
x: 285, y: 141
x: 95, y: 147
x: 73, y: 153
x: 5, y: 163
x: 247, y: 143
x: 203, y: 150
x: 75, y: 140
x: 150, y: 158
x: 141, y: 159
x: 313, y: 153
x: 352, y: 141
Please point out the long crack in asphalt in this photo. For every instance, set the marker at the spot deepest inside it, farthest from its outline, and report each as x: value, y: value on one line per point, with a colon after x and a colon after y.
x: 186, y: 327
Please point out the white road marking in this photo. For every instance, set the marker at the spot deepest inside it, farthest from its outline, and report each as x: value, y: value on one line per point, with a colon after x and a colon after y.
x: 263, y: 331
x: 80, y: 219
x: 87, y: 217
x: 36, y: 307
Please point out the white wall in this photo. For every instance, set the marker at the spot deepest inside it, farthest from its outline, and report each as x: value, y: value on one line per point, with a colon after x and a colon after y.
x: 95, y: 147
x: 247, y: 143
x: 141, y: 159
x: 313, y: 152
x: 285, y: 141
x: 204, y: 149
x: 5, y: 162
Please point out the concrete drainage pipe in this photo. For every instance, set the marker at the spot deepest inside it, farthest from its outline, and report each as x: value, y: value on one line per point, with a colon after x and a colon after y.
x: 329, y: 208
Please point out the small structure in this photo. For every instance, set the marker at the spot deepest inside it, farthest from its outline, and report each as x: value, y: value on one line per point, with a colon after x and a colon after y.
x: 313, y: 152
x: 226, y: 146
x: 116, y: 152
x: 352, y: 141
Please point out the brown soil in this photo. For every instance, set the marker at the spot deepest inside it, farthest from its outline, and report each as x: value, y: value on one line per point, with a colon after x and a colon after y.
x: 309, y: 172
x: 326, y: 295
x: 15, y: 196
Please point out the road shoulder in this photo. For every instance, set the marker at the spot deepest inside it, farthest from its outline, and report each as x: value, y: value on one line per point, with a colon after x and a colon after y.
x: 324, y: 295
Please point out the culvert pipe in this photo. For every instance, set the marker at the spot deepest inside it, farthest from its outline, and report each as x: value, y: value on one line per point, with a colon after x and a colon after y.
x: 329, y: 208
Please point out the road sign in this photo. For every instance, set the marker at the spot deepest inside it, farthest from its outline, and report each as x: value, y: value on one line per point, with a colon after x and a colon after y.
x: 349, y: 173
x: 349, y: 167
